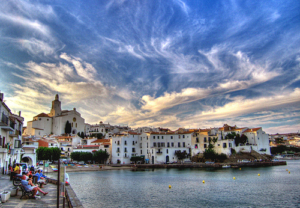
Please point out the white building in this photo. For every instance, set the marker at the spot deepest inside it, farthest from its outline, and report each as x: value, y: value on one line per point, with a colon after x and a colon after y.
x: 55, y: 121
x: 11, y: 128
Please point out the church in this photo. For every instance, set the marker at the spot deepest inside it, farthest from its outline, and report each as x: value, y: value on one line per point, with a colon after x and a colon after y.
x: 55, y: 121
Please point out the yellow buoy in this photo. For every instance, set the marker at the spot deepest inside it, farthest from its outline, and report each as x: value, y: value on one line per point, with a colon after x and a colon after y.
x: 286, y: 169
x: 170, y: 186
x: 203, y: 181
x: 289, y: 171
x: 240, y: 168
x: 258, y: 174
x: 233, y: 178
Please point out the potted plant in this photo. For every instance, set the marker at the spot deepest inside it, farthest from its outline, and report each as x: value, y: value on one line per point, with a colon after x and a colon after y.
x: 5, y: 195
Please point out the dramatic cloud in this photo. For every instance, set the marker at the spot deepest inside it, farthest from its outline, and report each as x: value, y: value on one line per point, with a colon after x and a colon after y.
x: 143, y: 63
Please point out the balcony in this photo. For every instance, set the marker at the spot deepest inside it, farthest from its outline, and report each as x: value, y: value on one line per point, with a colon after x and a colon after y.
x: 31, y: 145
x: 126, y: 156
x: 4, y: 120
x: 159, y: 152
x: 14, y: 133
x: 3, y: 150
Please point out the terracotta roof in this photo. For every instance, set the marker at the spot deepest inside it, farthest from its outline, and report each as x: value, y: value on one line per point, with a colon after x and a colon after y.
x: 253, y: 129
x: 64, y: 137
x: 88, y: 147
x: 170, y: 133
x: 204, y: 130
x: 101, y: 140
x: 42, y: 115
x: 133, y: 133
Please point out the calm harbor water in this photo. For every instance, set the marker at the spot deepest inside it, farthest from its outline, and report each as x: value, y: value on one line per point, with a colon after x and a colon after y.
x: 275, y: 187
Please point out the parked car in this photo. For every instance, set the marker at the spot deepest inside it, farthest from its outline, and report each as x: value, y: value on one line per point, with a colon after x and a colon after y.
x: 24, y: 167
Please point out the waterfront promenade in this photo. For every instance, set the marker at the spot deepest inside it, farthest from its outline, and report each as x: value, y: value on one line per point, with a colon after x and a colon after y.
x: 49, y: 200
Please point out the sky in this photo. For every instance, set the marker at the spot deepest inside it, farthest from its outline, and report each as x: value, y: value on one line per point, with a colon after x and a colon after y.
x: 167, y: 63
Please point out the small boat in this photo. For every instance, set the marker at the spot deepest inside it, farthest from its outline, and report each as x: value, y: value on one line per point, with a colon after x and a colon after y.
x: 226, y: 166
x: 234, y: 166
x: 55, y: 169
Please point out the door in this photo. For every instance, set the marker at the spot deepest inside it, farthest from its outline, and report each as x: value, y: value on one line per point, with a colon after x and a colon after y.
x: 167, y: 158
x: 152, y: 159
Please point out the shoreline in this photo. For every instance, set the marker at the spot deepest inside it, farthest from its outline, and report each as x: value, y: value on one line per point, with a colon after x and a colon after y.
x: 167, y: 166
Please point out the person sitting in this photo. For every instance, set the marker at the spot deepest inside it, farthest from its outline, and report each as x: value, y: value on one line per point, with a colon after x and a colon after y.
x: 31, y: 183
x: 17, y: 169
x: 28, y: 187
x: 41, y: 178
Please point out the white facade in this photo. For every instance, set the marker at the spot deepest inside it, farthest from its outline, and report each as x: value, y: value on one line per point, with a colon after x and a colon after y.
x: 11, y: 127
x: 55, y: 121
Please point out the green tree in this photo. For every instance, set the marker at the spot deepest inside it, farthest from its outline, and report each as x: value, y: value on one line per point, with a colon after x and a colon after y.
x: 86, y: 156
x: 100, y: 156
x: 82, y: 135
x: 46, y: 153
x: 279, y: 140
x: 181, y: 154
x: 75, y: 156
x: 68, y: 128
x: 136, y: 159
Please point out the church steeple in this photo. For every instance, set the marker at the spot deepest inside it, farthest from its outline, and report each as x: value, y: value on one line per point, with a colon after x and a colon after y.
x: 56, y: 107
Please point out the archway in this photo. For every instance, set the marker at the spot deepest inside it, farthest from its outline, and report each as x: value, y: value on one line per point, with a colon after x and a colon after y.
x: 28, y: 160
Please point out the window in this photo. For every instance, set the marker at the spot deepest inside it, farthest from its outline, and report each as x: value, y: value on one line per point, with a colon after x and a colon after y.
x: 76, y: 125
x: 224, y: 145
x: 118, y: 149
x: 154, y: 144
x: 230, y: 145
x: 147, y: 144
x: 218, y: 145
x: 197, y: 140
x: 183, y: 144
x: 196, y: 146
x: 141, y: 151
x: 125, y: 142
x: 167, y: 151
x: 141, y: 145
x: 18, y: 144
x: 183, y: 136
x: 132, y: 142
x: 118, y: 143
x: 172, y: 144
x: 141, y: 138
x: 147, y: 137
x: 152, y: 151
x: 171, y: 137
x: 125, y: 149
x: 158, y: 144
x: 204, y: 145
x: 178, y: 136
x: 157, y: 137
x: 178, y: 144
x: 205, y: 139
x: 168, y: 144
x: 162, y: 137
x: 153, y: 137
x: 40, y: 119
x: 162, y: 144
x: 47, y: 119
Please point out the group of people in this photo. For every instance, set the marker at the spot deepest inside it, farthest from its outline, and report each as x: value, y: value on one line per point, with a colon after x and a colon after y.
x: 27, y: 177
x: 29, y: 186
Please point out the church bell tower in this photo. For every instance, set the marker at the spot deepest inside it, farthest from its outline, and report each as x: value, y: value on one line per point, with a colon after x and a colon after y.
x: 56, y: 107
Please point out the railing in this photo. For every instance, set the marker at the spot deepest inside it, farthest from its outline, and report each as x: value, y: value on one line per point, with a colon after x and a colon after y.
x: 159, y: 152
x: 12, y: 125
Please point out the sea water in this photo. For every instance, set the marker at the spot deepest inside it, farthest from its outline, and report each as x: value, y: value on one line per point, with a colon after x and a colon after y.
x: 275, y: 187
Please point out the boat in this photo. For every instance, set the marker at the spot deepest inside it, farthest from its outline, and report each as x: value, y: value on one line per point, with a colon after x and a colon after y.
x: 226, y: 166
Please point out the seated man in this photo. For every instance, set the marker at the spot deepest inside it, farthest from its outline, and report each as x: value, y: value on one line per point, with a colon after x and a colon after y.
x: 29, y: 187
x: 41, y: 178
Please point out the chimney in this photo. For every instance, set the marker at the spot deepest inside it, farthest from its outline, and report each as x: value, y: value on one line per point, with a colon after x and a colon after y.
x: 20, y: 113
x: 1, y: 96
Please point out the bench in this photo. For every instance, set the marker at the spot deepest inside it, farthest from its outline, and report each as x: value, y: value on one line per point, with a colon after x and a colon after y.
x: 25, y: 192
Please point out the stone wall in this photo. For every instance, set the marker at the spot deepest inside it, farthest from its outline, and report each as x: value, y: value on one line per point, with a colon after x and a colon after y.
x: 71, y: 197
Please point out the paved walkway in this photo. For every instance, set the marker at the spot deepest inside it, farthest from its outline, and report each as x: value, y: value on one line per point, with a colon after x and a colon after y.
x: 14, y: 201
